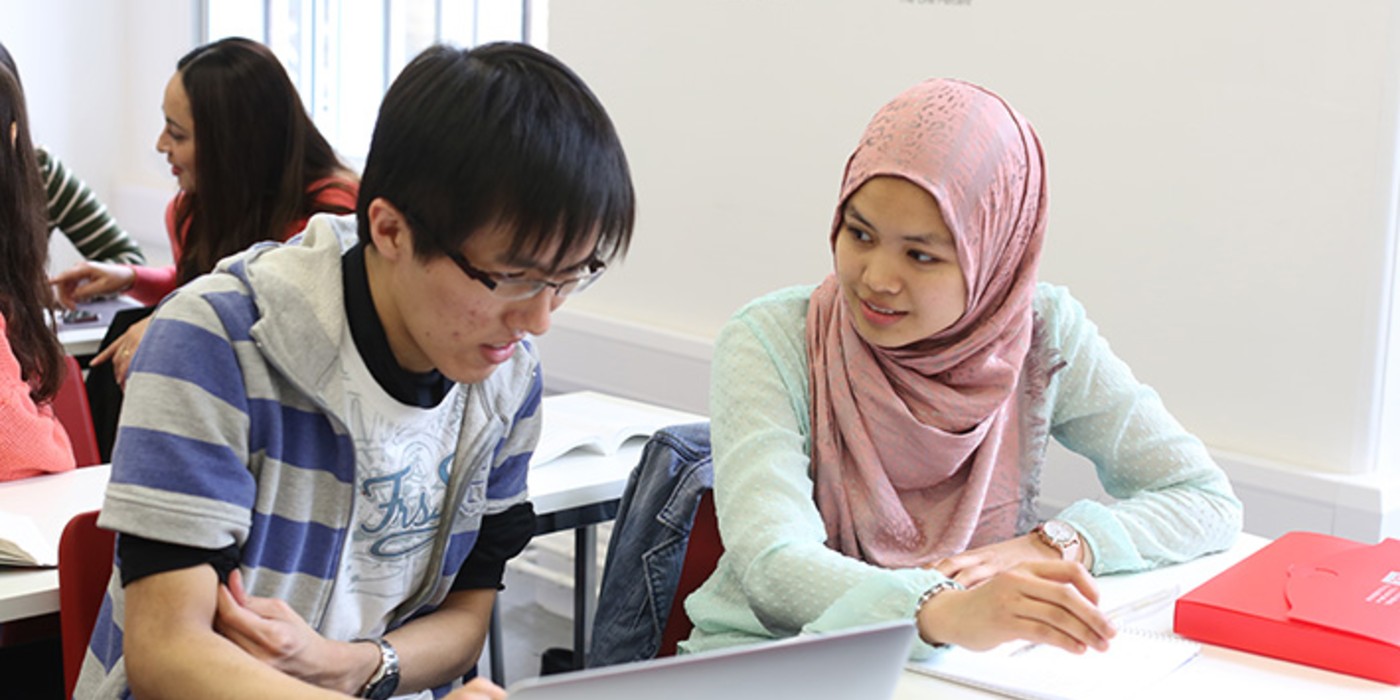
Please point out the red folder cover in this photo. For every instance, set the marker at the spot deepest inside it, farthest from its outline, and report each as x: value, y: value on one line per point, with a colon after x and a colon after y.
x: 1309, y: 598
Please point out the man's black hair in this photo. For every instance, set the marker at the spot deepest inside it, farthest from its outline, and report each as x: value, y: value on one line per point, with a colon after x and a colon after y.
x: 499, y: 134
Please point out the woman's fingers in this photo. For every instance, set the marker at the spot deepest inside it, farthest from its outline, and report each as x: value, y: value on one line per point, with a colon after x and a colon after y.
x: 86, y: 280
x: 1063, y: 598
x: 1069, y: 626
x: 1046, y: 602
x: 103, y: 356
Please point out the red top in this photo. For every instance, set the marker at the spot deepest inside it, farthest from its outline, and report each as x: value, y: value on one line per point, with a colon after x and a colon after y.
x: 153, y: 283
x: 32, y: 441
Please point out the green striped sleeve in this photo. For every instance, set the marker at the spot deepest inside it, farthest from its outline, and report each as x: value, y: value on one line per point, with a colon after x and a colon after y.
x: 80, y: 215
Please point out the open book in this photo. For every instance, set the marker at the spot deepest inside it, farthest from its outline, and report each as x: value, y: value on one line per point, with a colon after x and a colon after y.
x: 1135, y: 659
x: 22, y: 544
x: 598, y: 423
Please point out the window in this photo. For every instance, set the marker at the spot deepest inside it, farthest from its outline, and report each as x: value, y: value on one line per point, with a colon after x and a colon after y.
x: 342, y: 54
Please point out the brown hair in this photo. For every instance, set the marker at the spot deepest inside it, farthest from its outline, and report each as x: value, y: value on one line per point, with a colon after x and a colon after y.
x: 25, y: 294
x: 256, y: 153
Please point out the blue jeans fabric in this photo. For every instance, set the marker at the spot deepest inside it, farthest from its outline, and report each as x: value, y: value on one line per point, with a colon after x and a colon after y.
x: 648, y: 544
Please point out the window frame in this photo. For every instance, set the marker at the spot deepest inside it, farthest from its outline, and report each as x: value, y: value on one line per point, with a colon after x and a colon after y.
x: 332, y: 85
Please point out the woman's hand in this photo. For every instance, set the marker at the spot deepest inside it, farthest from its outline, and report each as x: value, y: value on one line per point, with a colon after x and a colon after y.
x: 1046, y: 602
x: 974, y: 566
x: 88, y: 279
x: 122, y: 349
x: 270, y: 631
x: 477, y: 689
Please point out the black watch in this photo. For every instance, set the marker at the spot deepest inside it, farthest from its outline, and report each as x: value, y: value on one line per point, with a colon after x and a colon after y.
x: 385, y: 679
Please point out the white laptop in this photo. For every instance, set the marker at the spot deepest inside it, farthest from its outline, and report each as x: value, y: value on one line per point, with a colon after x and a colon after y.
x: 863, y: 662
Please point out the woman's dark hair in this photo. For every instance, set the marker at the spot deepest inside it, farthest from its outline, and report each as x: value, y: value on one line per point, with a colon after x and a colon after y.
x: 256, y: 154
x: 8, y: 62
x: 500, y: 134
x: 25, y: 294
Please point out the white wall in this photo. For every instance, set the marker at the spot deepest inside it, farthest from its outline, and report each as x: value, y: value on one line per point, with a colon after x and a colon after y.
x: 1222, y: 185
x: 156, y: 33
x: 1222, y: 178
x: 93, y: 75
x: 1221, y: 175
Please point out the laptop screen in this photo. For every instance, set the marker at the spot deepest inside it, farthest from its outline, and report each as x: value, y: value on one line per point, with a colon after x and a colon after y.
x: 862, y: 662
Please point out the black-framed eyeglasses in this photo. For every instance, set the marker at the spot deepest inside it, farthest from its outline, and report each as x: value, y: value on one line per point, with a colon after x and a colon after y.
x: 515, y: 288
x: 511, y: 288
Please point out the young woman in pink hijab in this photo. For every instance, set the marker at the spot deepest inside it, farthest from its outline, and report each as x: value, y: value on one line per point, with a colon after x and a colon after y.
x: 879, y: 438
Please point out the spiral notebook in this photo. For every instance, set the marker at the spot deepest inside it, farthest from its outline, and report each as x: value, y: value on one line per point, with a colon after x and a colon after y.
x: 1135, y: 658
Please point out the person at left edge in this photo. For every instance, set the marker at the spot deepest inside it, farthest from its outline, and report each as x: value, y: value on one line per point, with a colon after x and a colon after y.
x: 321, y: 464
x: 32, y: 441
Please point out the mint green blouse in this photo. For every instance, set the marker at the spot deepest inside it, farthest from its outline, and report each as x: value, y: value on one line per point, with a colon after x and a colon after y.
x: 777, y: 578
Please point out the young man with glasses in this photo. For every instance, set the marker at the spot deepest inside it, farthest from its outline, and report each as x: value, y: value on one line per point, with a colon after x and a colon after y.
x: 320, y: 471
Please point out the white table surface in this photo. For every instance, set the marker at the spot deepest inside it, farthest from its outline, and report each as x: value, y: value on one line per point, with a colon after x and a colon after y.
x: 579, y: 480
x: 51, y: 501
x: 574, y: 480
x: 1217, y: 673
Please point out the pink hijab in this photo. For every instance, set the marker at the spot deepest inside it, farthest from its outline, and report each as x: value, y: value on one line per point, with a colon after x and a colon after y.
x: 916, y: 451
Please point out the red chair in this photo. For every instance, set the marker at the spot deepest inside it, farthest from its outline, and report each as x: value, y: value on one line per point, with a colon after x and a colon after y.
x: 701, y: 555
x: 71, y: 407
x: 84, y: 567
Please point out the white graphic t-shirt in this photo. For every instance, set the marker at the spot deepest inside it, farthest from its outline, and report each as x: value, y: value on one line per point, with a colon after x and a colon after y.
x: 403, y: 455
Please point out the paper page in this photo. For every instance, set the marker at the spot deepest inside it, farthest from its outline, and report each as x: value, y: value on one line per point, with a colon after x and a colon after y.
x: 597, y: 422
x: 1135, y: 659
x: 21, y: 543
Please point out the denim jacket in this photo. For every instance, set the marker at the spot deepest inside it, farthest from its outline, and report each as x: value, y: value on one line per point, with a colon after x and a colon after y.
x: 648, y: 544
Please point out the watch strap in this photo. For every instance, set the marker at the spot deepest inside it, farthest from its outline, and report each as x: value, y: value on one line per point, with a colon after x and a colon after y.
x: 385, y: 679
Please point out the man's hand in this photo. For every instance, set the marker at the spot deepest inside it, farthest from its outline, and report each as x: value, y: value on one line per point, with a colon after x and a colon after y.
x: 477, y: 689
x: 270, y: 631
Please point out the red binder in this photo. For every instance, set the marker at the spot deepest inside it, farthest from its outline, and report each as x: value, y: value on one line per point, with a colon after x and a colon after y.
x: 1308, y: 598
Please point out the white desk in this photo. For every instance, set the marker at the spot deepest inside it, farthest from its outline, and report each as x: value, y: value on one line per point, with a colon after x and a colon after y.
x: 569, y: 483
x: 1217, y: 673
x: 81, y: 339
x: 568, y: 491
x: 50, y: 500
x: 579, y: 480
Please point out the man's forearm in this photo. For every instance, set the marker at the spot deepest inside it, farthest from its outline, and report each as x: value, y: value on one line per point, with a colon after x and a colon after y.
x: 172, y: 651
x: 445, y: 644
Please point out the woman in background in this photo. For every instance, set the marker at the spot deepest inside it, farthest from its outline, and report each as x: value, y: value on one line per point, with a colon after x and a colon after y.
x: 879, y: 438
x: 74, y: 209
x: 251, y: 167
x: 32, y: 441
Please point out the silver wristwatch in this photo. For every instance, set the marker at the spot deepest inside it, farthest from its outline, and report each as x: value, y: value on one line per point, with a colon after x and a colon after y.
x: 385, y: 679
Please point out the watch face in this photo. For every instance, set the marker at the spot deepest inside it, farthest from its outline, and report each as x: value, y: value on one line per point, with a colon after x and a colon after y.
x: 1060, y: 532
x: 386, y: 678
x: 383, y: 689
